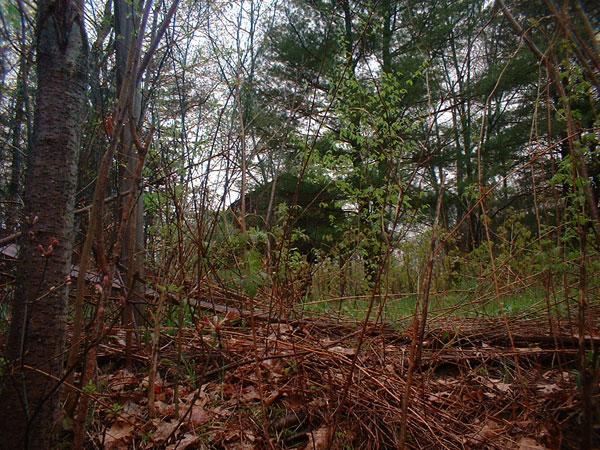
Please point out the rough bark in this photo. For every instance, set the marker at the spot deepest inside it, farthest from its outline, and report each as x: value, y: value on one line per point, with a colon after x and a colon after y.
x: 29, y: 409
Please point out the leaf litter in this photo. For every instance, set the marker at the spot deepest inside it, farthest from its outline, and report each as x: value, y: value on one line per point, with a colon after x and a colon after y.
x: 284, y: 386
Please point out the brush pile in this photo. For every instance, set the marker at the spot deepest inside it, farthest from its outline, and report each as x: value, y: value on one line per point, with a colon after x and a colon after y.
x: 241, y: 382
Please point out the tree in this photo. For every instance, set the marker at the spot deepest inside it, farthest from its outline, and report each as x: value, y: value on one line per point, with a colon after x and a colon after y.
x: 30, y: 390
x: 133, y: 245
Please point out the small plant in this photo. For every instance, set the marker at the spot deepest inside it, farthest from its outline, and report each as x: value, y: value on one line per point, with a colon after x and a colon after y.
x: 90, y: 388
x: 191, y: 374
x: 291, y: 367
x: 115, y: 409
x: 147, y: 437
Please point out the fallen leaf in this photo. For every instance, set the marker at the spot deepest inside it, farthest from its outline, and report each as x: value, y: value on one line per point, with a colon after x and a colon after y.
x: 529, y: 350
x: 502, y: 387
x: 527, y: 443
x: 164, y: 409
x: 132, y: 410
x: 199, y: 416
x: 249, y: 394
x: 119, y: 434
x: 188, y: 439
x: 200, y: 396
x: 229, y: 390
x: 494, y: 383
x: 488, y: 431
x: 121, y: 380
x: 342, y: 351
x: 319, y: 439
x: 164, y: 429
x: 547, y: 389
x: 447, y: 381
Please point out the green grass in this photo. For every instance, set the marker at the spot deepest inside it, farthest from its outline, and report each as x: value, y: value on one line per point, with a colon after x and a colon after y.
x: 399, y: 309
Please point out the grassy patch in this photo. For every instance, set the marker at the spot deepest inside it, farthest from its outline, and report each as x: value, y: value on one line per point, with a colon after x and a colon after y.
x: 400, y: 308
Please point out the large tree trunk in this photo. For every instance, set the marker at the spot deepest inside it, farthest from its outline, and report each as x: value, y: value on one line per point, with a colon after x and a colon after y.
x: 29, y: 406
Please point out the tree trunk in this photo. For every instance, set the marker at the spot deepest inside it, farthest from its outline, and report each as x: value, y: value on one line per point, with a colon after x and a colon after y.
x: 132, y: 256
x: 29, y: 408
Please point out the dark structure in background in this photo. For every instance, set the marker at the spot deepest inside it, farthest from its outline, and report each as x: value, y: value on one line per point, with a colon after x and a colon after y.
x: 316, y: 212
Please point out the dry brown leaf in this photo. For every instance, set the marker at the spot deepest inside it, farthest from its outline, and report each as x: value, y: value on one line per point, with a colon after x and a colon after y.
x: 529, y: 350
x: 132, y: 410
x: 118, y: 436
x: 164, y: 429
x: 501, y: 386
x: 283, y: 328
x: 447, y: 381
x: 146, y: 381
x: 221, y: 411
x: 200, y: 396
x: 319, y: 439
x: 342, y: 350
x: 164, y: 409
x: 488, y: 431
x: 229, y: 390
x: 188, y: 439
x: 494, y: 383
x: 121, y: 380
x: 199, y: 416
x: 249, y: 394
x: 439, y: 397
x: 272, y: 397
x: 547, y: 389
x: 527, y: 443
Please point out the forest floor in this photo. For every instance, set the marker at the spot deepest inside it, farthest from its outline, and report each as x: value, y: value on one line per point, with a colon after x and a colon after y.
x: 244, y: 381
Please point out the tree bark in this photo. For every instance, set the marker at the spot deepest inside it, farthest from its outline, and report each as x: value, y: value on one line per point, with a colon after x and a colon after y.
x: 132, y: 256
x: 29, y: 409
